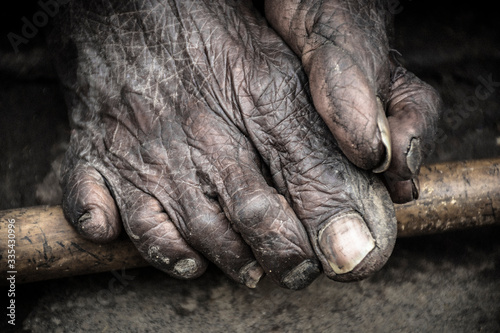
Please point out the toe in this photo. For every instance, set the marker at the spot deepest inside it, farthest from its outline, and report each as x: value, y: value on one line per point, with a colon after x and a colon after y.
x: 156, y: 237
x: 413, y: 110
x: 203, y: 224
x: 357, y: 242
x: 347, y: 212
x: 343, y: 55
x: 88, y: 204
x: 278, y: 240
x: 402, y: 191
x: 347, y: 102
x: 262, y: 217
x: 275, y: 234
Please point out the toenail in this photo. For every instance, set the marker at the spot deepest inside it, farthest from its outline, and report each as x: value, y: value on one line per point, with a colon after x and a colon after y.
x: 414, y: 156
x: 251, y: 274
x: 345, y: 241
x: 84, y: 218
x: 94, y: 225
x: 186, y: 267
x: 385, y: 135
x: 302, y: 275
x: 415, y: 187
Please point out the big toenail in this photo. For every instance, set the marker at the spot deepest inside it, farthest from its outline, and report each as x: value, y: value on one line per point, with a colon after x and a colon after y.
x: 345, y: 241
x: 302, y: 275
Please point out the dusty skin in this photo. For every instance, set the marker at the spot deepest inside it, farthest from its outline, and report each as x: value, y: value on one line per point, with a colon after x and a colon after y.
x: 197, y: 128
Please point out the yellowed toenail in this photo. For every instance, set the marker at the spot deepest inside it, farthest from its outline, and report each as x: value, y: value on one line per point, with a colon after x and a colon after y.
x: 345, y: 241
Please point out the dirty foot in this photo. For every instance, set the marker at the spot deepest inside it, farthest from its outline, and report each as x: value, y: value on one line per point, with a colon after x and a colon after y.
x: 193, y: 127
x: 382, y: 116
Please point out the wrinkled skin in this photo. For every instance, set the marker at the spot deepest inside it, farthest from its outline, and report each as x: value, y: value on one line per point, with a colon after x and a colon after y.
x: 211, y: 136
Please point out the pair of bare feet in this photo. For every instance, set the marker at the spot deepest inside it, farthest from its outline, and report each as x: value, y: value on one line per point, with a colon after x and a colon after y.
x: 211, y: 136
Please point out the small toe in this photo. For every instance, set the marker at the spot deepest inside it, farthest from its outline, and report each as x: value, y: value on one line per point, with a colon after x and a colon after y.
x: 157, y: 238
x: 402, y: 191
x: 265, y: 221
x: 203, y: 224
x: 88, y: 204
x: 413, y: 108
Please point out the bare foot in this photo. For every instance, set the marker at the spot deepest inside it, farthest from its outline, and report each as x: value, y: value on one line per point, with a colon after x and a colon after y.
x: 382, y: 116
x: 179, y: 111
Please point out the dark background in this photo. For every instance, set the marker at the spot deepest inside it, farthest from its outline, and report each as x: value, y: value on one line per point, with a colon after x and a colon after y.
x: 439, y: 283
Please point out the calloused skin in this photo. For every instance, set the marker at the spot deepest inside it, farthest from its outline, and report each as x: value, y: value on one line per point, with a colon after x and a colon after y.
x: 214, y: 134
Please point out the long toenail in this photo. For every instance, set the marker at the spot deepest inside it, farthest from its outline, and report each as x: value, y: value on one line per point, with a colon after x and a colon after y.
x: 385, y: 134
x: 414, y: 156
x: 186, y: 267
x: 302, y: 275
x: 415, y: 187
x: 345, y: 241
x: 251, y: 274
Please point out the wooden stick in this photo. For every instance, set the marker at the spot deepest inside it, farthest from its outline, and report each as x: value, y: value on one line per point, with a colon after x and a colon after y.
x: 48, y: 247
x: 452, y: 196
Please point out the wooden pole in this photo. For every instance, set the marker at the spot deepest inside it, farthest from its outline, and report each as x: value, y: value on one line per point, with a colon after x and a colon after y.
x: 48, y: 247
x: 453, y: 196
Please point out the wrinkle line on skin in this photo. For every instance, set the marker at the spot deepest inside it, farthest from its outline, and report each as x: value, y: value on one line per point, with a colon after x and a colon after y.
x: 206, y: 78
x: 172, y: 56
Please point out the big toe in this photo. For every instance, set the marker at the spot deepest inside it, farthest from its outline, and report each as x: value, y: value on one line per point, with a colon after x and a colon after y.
x: 356, y: 242
x: 347, y: 101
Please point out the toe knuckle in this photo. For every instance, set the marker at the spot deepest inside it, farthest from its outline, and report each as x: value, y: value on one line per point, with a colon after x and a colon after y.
x: 250, y: 210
